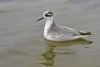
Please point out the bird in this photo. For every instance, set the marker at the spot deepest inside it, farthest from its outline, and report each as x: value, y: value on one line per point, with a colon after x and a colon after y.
x: 56, y: 32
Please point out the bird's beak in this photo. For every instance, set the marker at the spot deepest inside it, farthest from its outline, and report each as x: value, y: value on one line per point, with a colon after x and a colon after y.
x: 40, y: 19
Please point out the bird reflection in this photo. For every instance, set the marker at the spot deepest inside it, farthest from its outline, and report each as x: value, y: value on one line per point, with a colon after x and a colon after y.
x: 49, y: 53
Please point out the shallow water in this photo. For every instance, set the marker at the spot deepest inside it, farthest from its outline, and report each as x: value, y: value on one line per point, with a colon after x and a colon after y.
x: 21, y: 38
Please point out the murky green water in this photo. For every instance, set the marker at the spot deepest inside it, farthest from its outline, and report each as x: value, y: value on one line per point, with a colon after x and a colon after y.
x: 21, y: 38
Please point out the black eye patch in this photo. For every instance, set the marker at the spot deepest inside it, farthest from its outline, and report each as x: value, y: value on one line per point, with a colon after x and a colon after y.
x: 48, y: 15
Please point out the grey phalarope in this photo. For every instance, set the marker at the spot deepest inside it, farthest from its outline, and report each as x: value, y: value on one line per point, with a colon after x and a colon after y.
x: 55, y: 32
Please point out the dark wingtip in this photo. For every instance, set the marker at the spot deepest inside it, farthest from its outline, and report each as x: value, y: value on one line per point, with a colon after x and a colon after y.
x: 85, y: 33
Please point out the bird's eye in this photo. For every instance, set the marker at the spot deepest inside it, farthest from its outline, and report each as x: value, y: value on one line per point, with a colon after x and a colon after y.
x: 48, y: 15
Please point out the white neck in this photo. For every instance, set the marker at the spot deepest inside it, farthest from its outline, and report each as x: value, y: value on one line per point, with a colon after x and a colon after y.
x: 48, y: 26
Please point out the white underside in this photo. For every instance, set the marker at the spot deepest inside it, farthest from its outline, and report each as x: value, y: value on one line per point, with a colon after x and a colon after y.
x: 55, y: 32
x: 66, y: 39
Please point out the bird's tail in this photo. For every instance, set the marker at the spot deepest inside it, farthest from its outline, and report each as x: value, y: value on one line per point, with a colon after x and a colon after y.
x: 85, y: 33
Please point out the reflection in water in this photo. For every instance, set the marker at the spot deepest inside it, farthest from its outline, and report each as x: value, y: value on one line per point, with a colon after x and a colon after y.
x: 49, y: 53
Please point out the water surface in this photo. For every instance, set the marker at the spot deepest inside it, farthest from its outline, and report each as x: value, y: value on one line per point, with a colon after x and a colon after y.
x: 21, y: 38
